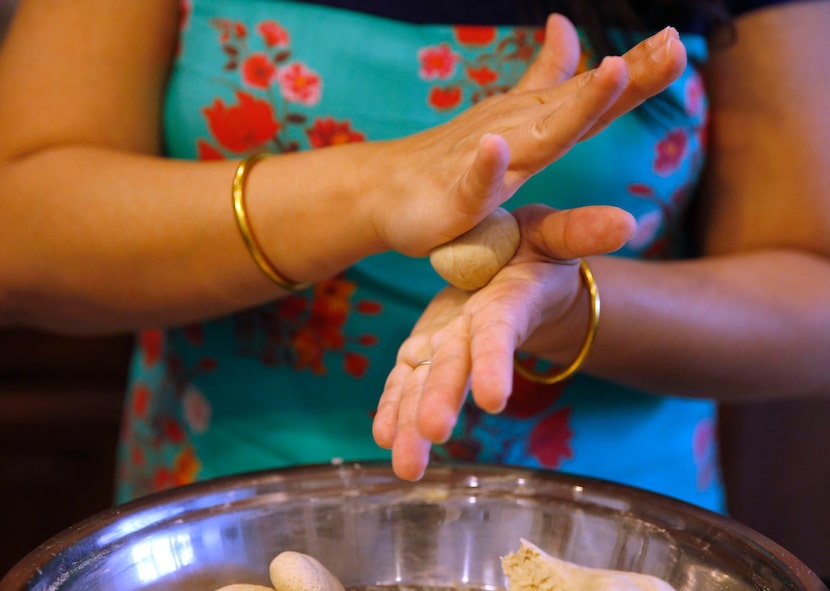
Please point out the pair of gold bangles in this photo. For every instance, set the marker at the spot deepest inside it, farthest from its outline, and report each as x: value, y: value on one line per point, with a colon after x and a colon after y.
x: 262, y: 261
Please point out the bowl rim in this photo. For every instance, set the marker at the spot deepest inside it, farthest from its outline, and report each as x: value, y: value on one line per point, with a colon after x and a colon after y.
x: 28, y: 568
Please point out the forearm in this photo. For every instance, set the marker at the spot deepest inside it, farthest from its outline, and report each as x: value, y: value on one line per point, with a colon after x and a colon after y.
x: 750, y: 320
x: 97, y: 240
x: 738, y: 327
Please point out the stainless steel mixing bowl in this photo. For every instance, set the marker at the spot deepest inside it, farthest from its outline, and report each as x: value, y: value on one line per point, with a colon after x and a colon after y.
x: 374, y: 531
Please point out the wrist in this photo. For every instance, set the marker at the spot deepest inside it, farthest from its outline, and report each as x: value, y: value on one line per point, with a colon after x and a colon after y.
x: 578, y: 330
x: 313, y: 225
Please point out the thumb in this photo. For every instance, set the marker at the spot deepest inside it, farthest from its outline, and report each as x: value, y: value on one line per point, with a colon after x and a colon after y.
x: 574, y: 233
x: 557, y: 59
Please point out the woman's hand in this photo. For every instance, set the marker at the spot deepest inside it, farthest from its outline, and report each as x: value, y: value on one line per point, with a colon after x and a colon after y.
x: 316, y: 212
x: 470, y: 337
x: 441, y: 182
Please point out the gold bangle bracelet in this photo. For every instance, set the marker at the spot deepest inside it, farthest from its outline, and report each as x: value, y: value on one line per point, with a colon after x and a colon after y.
x: 245, y: 230
x: 593, y: 323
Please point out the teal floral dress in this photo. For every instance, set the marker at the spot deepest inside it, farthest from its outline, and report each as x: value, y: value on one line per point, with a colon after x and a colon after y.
x: 297, y: 380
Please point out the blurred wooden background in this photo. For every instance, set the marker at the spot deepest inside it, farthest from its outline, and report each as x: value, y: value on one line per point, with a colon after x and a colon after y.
x: 60, y: 411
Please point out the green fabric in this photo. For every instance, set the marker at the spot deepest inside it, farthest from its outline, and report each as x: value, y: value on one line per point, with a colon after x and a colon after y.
x: 297, y: 381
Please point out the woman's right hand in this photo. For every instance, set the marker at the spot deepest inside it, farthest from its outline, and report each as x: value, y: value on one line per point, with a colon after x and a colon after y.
x: 443, y: 181
x: 86, y: 147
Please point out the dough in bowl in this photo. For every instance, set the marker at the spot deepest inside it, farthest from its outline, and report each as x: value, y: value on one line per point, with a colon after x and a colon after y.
x: 531, y: 569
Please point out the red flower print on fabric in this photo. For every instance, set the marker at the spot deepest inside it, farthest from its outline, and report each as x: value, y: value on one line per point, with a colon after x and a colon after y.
x: 305, y: 330
x: 185, y: 10
x: 460, y: 450
x: 328, y: 132
x: 185, y: 469
x: 467, y: 445
x: 141, y: 400
x: 695, y: 94
x: 204, y: 151
x: 150, y: 343
x: 368, y: 340
x: 368, y: 307
x: 670, y: 152
x: 197, y: 410
x: 529, y: 398
x: 481, y: 66
x: 243, y: 127
x: 355, y: 364
x: 482, y: 75
x: 231, y: 35
x: 194, y: 333
x: 258, y: 71
x: 300, y: 84
x: 162, y: 479
x: 137, y: 456
x: 173, y: 431
x: 550, y: 439
x: 272, y: 91
x: 187, y: 466
x: 161, y: 419
x: 273, y: 34
x: 530, y: 426
x: 437, y: 62
x: 324, y: 329
x: 474, y: 35
x: 445, y: 98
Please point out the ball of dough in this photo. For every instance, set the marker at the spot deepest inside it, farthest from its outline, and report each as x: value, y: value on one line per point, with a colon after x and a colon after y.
x: 295, y: 571
x: 472, y: 259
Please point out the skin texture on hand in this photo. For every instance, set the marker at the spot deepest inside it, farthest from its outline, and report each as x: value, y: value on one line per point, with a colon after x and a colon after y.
x: 747, y: 321
x: 470, y: 337
x: 89, y: 176
x: 489, y: 151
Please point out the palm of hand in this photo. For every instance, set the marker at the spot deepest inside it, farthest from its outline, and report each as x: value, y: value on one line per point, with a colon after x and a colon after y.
x: 470, y: 337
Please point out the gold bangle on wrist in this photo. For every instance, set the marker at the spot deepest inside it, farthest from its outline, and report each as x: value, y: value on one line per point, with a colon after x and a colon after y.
x: 593, y: 323
x: 245, y: 230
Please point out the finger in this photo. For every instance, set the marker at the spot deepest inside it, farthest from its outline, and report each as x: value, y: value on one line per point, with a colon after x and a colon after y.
x: 410, y: 455
x: 557, y: 59
x: 544, y: 139
x: 410, y: 451
x: 574, y: 233
x: 414, y: 350
x: 482, y: 188
x: 445, y: 387
x: 653, y: 64
x: 385, y: 423
x: 492, y: 346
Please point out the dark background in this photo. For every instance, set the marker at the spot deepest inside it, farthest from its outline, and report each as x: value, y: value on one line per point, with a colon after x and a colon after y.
x: 60, y: 404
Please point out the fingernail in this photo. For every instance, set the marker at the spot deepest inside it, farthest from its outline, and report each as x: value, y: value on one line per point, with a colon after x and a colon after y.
x: 604, y: 61
x: 661, y: 48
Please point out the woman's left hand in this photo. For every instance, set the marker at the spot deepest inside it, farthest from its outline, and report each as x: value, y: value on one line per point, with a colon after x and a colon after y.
x: 469, y: 338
